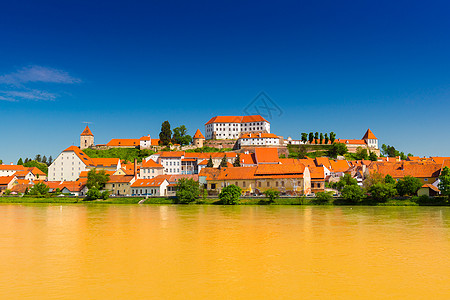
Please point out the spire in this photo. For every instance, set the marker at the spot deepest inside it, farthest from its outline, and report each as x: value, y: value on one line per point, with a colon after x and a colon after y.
x: 87, y: 131
x: 369, y: 135
x: 198, y: 135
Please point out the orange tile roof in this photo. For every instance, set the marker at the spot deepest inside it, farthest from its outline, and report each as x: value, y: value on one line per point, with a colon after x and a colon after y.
x: 151, y: 164
x: 166, y: 154
x: 124, y: 142
x: 280, y: 169
x: 105, y: 162
x: 339, y: 165
x: 266, y: 155
x: 203, y: 162
x: 175, y: 178
x: 21, y: 173
x: 369, y: 135
x: 120, y: 178
x: 430, y: 186
x: 439, y: 160
x: 4, y: 180
x: 350, y: 142
x: 236, y: 119
x: 316, y: 173
x: 155, y: 142
x: 87, y: 131
x: 21, y: 187
x: 81, y: 155
x: 73, y: 186
x: 406, y: 168
x: 323, y: 161
x: 157, y: 181
x: 84, y: 174
x: 145, y: 138
x: 12, y: 167
x: 198, y: 135
x: 36, y: 171
x: 248, y: 158
x: 258, y: 135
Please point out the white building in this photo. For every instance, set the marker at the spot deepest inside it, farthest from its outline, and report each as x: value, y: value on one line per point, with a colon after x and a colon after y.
x: 8, y: 170
x: 231, y: 127
x: 150, y: 187
x: 72, y: 161
x: 150, y: 169
x: 258, y: 139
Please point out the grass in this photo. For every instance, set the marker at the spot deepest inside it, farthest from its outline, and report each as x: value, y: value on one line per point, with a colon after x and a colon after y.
x: 127, y: 154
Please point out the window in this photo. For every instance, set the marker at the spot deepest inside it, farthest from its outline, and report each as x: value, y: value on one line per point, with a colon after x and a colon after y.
x: 276, y: 183
x: 259, y: 184
x: 268, y: 183
x: 243, y: 183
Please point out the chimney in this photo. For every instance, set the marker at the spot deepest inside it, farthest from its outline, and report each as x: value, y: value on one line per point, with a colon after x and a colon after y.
x: 135, y: 168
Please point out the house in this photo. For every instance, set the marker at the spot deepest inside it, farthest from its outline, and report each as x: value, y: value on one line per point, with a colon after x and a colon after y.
x: 231, y: 127
x: 145, y: 142
x: 150, y: 169
x: 76, y: 188
x: 428, y: 190
x: 427, y: 172
x: 21, y: 186
x: 120, y: 185
x: 292, y: 179
x: 369, y: 142
x: 267, y: 156
x: 8, y: 170
x: 72, y: 161
x: 259, y: 139
x: 150, y: 187
x: 7, y: 182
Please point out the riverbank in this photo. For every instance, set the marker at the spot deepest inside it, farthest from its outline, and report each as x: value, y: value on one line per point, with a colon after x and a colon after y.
x: 216, y: 201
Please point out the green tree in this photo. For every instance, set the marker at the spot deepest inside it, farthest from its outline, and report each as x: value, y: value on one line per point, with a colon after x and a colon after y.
x: 346, y: 180
x: 38, y: 158
x: 20, y: 162
x: 323, y: 198
x: 408, y: 186
x: 352, y: 194
x: 223, y: 162
x: 389, y: 180
x: 311, y: 137
x: 332, y: 137
x: 97, y: 180
x: 381, y: 192
x: 93, y: 194
x: 188, y: 190
x: 237, y: 161
x: 372, y: 178
x: 39, y: 165
x: 444, y: 182
x: 44, y: 160
x: 1, y: 162
x: 165, y: 136
x: 373, y: 156
x: 361, y: 153
x: 316, y: 137
x: 272, y: 195
x: 7, y: 192
x: 304, y: 137
x: 337, y: 149
x: 39, y: 189
x: 326, y: 139
x: 105, y: 195
x: 302, y: 151
x: 230, y: 194
x: 180, y: 136
x: 321, y: 138
x: 50, y: 160
x: 210, y: 163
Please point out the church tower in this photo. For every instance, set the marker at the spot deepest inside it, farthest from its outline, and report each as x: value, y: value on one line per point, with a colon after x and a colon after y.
x: 86, y: 138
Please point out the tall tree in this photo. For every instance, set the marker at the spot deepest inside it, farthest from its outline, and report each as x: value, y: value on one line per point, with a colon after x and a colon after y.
x: 311, y: 137
x: 408, y: 186
x: 444, y: 182
x: 20, y: 162
x: 361, y: 153
x: 326, y: 139
x: 50, y: 160
x: 304, y: 137
x: 180, y: 136
x: 44, y: 159
x: 38, y: 158
x: 1, y: 162
x: 332, y: 137
x: 321, y: 138
x: 165, y: 136
x: 210, y: 163
x: 223, y: 162
x: 97, y: 180
x: 373, y: 156
x: 316, y: 137
x: 237, y: 161
x: 302, y: 151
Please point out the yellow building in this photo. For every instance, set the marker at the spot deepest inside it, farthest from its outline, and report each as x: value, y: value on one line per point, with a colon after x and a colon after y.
x: 120, y: 185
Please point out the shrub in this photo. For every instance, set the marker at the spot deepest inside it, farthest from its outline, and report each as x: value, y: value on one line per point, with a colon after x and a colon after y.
x: 352, y: 194
x: 93, y: 194
x: 272, y: 194
x: 408, y: 186
x: 105, y: 195
x: 188, y: 190
x: 230, y: 194
x: 323, y: 198
x: 381, y: 192
x: 39, y: 189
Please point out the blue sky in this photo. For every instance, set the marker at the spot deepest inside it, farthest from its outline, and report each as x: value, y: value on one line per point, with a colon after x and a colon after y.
x: 128, y: 66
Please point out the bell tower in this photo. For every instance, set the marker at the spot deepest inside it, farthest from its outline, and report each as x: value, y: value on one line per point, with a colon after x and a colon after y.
x: 86, y: 138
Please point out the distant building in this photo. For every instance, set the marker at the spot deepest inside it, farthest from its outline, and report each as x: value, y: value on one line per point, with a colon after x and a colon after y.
x: 231, y: 127
x: 86, y: 138
x: 258, y: 139
x: 198, y: 140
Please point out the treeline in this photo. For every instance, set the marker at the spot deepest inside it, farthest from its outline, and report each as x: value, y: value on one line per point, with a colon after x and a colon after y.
x: 390, y: 151
x: 40, y: 161
x: 318, y: 138
x: 179, y: 136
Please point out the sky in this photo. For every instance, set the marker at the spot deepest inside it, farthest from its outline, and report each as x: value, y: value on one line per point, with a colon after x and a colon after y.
x: 127, y: 66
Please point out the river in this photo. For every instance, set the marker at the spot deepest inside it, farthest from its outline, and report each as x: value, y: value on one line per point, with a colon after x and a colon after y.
x: 217, y: 252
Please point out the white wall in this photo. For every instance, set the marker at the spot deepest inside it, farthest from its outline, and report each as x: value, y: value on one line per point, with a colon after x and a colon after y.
x: 233, y: 130
x: 66, y: 167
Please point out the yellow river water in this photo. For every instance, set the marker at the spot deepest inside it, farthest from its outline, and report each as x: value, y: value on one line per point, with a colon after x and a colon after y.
x: 215, y: 252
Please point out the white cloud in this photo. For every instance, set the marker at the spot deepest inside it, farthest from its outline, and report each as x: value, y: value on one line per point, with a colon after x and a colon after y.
x: 2, y: 98
x: 38, y: 74
x: 29, y: 95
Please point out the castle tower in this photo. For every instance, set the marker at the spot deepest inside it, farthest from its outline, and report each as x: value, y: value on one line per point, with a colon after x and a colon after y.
x: 370, y: 139
x: 198, y: 139
x: 86, y: 138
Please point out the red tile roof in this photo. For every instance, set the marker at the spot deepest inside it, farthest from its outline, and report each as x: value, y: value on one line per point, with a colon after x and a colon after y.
x: 369, y: 135
x: 5, y: 180
x: 120, y: 178
x: 105, y: 162
x: 267, y: 155
x: 151, y: 164
x: 198, y: 135
x: 236, y: 119
x: 87, y: 131
x: 339, y: 165
x: 81, y: 155
x: 157, y: 181
x: 124, y: 142
x: 12, y: 167
x: 406, y: 168
x: 430, y: 186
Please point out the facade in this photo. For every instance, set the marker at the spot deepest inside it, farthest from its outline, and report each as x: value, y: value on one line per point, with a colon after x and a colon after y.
x: 258, y: 140
x: 145, y: 142
x: 150, y: 187
x: 7, y: 182
x: 86, y: 138
x: 231, y: 127
x: 8, y: 170
x: 120, y: 185
x: 150, y: 169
